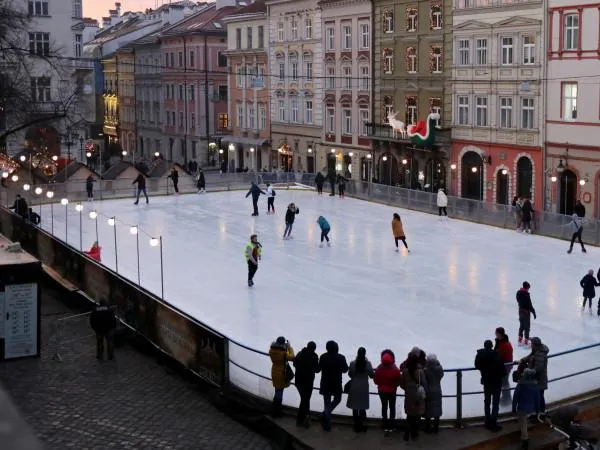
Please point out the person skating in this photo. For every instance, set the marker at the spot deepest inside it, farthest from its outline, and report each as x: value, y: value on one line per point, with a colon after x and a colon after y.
x: 270, y: 199
x: 526, y: 401
x: 306, y: 364
x: 332, y: 366
x: 526, y: 309
x: 589, y: 283
x: 398, y: 231
x: 341, y: 182
x: 281, y: 353
x: 104, y: 322
x: 290, y: 216
x: 255, y: 191
x: 526, y: 215
x: 325, y: 229
x: 576, y: 225
x: 174, y: 176
x: 201, y: 185
x: 319, y: 181
x: 253, y: 255
x: 89, y: 187
x: 360, y: 370
x: 505, y: 350
x: 442, y: 203
x: 387, y: 380
x: 490, y: 365
x: 141, y: 187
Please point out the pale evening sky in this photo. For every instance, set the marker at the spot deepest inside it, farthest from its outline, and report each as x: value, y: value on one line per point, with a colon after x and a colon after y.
x: 96, y: 9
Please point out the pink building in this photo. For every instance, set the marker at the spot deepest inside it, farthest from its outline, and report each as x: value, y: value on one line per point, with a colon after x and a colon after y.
x: 194, y: 83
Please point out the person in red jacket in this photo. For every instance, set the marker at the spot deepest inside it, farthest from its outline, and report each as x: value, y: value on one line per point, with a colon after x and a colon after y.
x: 505, y: 350
x: 94, y: 251
x: 387, y: 380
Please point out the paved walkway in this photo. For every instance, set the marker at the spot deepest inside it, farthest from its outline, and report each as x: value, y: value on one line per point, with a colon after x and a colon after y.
x: 131, y: 403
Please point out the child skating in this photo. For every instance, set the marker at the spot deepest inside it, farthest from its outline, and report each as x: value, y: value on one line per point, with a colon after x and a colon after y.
x: 589, y: 283
x: 290, y: 216
x: 398, y: 231
x: 270, y: 199
x: 325, y: 229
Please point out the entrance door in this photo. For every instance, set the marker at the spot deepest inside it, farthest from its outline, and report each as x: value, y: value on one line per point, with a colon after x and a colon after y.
x: 240, y: 158
x: 501, y: 188
x: 568, y: 192
x: 310, y: 164
x: 524, y: 177
x: 472, y: 176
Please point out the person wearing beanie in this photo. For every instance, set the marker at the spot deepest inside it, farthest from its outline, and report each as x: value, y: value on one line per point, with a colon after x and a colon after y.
x: 434, y: 372
x: 537, y: 360
x: 306, y: 364
x: 526, y: 309
x: 280, y: 352
x: 387, y: 380
x: 505, y: 350
x: 526, y: 401
x: 588, y: 284
x: 491, y: 367
x: 332, y: 366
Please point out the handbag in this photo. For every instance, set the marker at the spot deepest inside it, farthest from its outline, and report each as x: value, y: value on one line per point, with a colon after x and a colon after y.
x: 421, y: 394
x: 288, y: 372
x: 347, y: 386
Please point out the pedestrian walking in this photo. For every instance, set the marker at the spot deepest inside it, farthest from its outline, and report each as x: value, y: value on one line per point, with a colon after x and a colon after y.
x: 434, y: 372
x: 398, y: 231
x: 525, y: 402
x: 290, y: 216
x: 306, y: 364
x: 589, y: 283
x: 253, y: 254
x: 387, y: 380
x: 141, y: 187
x: 281, y: 354
x: 526, y: 309
x: 104, y: 323
x: 332, y: 366
x: 360, y: 371
x: 490, y: 365
x: 174, y: 176
x: 325, y: 229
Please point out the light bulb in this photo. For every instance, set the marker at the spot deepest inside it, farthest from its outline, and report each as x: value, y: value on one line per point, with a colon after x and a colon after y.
x: 5, y: 174
x: 452, y: 166
x: 49, y: 194
x: 38, y: 190
x: 124, y: 153
x: 23, y: 158
x: 553, y: 179
x: 384, y: 158
x: 350, y: 154
x: 93, y: 214
x: 310, y: 150
x: 153, y: 242
x: 133, y: 230
x: 55, y: 158
x: 404, y: 161
x: 79, y: 207
x: 582, y: 182
x: 474, y: 169
x: 156, y: 154
x: 333, y: 150
x: 88, y: 154
x: 64, y: 201
x: 504, y: 171
x: 369, y: 156
x: 26, y: 187
x: 111, y: 221
x: 251, y: 149
x: 15, y: 178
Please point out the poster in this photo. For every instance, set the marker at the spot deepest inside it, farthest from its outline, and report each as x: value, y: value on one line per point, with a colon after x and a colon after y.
x: 20, y: 320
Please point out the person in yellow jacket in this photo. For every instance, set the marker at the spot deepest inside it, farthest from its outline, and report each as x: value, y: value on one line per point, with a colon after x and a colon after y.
x: 398, y: 231
x: 252, y: 252
x: 281, y: 353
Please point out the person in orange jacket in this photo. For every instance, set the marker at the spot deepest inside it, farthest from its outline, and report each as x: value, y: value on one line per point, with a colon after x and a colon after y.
x: 94, y: 251
x: 398, y: 231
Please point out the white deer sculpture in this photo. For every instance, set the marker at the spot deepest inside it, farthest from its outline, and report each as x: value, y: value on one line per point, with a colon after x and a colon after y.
x: 397, y: 125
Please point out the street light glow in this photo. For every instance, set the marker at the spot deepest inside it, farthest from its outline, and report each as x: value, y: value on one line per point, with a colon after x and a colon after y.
x: 49, y: 194
x: 553, y: 178
x: 15, y: 178
x: 404, y: 161
x: 38, y: 190
x: 153, y: 242
x: 111, y: 221
x: 474, y: 169
x: 350, y: 154
x: 309, y: 150
x: 156, y: 154
x: 384, y: 158
x: 133, y: 230
x: 582, y: 182
x: 64, y: 201
x: 55, y: 158
x: 26, y: 187
x: 79, y: 207
x: 23, y: 158
x: 93, y: 214
x: 88, y: 154
x: 251, y: 149
x: 504, y: 171
x: 231, y: 147
x: 452, y: 166
x: 4, y: 174
x: 124, y: 153
x: 333, y: 150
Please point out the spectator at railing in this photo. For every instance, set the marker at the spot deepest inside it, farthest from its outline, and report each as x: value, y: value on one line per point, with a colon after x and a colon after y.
x: 505, y: 350
x: 332, y: 366
x: 94, y: 252
x: 306, y: 363
x: 490, y: 364
x: 538, y: 361
x: 414, y: 384
x: 387, y: 379
x: 20, y: 207
x: 360, y: 371
x: 526, y: 401
x: 434, y: 372
x: 420, y: 354
x: 281, y: 352
x: 319, y: 181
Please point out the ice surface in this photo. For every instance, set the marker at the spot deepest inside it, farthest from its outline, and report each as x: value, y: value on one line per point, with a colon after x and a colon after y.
x: 447, y: 296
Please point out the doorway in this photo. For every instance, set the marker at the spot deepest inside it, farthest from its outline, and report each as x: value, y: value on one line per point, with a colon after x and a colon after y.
x: 435, y: 175
x: 502, y: 188
x: 524, y: 177
x: 568, y: 192
x: 310, y: 164
x: 472, y: 176
x: 388, y: 170
x: 240, y: 157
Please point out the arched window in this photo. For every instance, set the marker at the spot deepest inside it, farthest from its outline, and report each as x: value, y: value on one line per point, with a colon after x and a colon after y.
x: 472, y: 176
x: 524, y: 177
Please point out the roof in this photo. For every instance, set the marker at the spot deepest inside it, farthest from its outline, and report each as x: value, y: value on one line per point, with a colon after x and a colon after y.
x: 207, y: 20
x: 117, y: 169
x: 253, y: 8
x: 72, y: 169
x: 118, y: 30
x: 150, y: 38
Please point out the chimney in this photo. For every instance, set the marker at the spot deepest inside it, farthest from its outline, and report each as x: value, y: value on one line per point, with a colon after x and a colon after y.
x: 113, y: 13
x: 118, y: 8
x: 106, y: 22
x: 220, y: 4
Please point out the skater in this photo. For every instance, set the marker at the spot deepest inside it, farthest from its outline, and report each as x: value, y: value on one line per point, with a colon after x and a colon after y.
x: 253, y: 255
x: 360, y: 370
x: 281, y: 353
x: 576, y: 225
x: 341, y: 182
x: 442, y: 203
x: 526, y: 401
x: 174, y: 176
x: 89, y: 187
x: 141, y: 187
x: 270, y: 199
x: 505, y: 350
x: 306, y: 364
x: 588, y: 283
x: 387, y: 380
x: 201, y: 181
x: 94, y: 252
x: 104, y: 322
x: 516, y: 204
x: 290, y: 216
x: 20, y: 207
x: 526, y: 214
x: 489, y: 363
x: 319, y: 181
x: 255, y: 190
x: 325, y: 229
x: 398, y: 231
x: 526, y: 309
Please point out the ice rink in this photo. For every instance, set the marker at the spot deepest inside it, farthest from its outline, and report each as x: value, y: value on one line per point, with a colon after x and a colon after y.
x: 447, y: 296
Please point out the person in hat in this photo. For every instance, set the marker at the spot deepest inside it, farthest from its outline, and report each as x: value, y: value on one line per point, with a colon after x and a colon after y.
x: 526, y: 401
x: 537, y: 360
x: 306, y: 364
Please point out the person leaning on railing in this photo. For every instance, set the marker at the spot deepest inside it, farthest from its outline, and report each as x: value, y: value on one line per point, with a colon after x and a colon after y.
x: 306, y: 364
x: 281, y: 353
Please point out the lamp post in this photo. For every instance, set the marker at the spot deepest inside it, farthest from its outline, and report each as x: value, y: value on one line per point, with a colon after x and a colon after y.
x: 480, y: 195
x: 50, y: 194
x: 384, y: 159
x: 159, y: 242
x: 65, y: 203
x: 123, y: 154
x: 452, y: 182
x: 112, y: 221
x: 134, y: 230
x: 252, y: 158
x: 94, y: 217
x: 79, y: 209
x: 231, y: 148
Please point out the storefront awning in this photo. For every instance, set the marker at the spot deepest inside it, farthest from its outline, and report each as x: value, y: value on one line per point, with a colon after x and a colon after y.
x: 245, y: 141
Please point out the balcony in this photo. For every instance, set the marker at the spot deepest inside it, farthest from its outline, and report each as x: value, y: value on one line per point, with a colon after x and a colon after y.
x: 46, y: 108
x: 383, y: 132
x: 463, y: 5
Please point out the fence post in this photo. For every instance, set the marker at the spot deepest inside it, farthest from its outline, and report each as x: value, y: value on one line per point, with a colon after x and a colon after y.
x: 459, y: 399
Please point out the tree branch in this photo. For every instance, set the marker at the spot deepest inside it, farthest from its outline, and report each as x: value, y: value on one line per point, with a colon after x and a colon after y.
x: 31, y: 122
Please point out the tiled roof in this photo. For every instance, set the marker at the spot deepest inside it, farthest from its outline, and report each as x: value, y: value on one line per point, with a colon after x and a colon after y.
x: 206, y: 20
x: 150, y: 38
x: 257, y: 7
x: 119, y: 30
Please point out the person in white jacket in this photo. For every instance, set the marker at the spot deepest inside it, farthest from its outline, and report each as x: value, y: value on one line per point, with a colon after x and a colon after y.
x: 576, y: 225
x: 442, y: 203
x: 270, y: 199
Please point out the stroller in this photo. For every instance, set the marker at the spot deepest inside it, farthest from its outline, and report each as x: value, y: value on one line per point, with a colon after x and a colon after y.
x: 577, y: 436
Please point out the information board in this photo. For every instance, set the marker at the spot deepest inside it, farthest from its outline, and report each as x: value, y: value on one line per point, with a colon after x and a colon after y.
x: 20, y: 320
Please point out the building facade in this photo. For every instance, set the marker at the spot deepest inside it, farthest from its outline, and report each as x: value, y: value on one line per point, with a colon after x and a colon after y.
x: 412, y: 66
x: 573, y: 113
x: 498, y: 100
x: 248, y: 144
x: 111, y: 127
x: 127, y: 102
x: 347, y: 67
x: 296, y: 85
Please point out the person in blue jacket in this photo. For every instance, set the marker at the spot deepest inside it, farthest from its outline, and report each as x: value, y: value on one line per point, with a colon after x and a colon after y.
x: 325, y: 229
x: 526, y: 401
x: 255, y: 191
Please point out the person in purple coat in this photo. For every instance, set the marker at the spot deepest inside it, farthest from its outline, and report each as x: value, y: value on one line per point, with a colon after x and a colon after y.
x: 526, y: 400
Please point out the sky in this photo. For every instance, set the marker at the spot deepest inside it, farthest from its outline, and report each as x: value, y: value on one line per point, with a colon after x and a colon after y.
x: 99, y: 8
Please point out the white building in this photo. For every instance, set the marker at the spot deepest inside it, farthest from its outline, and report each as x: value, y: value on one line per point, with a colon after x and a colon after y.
x: 573, y: 111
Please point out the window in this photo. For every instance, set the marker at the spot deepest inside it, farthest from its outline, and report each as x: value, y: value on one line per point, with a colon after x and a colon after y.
x: 411, y: 60
x: 192, y: 120
x: 172, y: 59
x: 331, y: 120
x: 365, y: 79
x: 222, y: 60
x: 464, y: 52
x: 330, y: 81
x: 481, y: 48
x: 527, y: 114
x: 40, y: 89
x: 280, y: 35
x: 507, y: 51
x: 168, y: 118
x: 251, y: 118
x: 192, y: 59
x: 481, y: 116
x: 308, y: 28
x: 436, y: 17
x: 261, y: 36
x: 180, y: 92
x: 77, y: 9
x: 294, y: 30
x: 192, y: 93
x: 330, y: 42
x: 435, y: 59
x: 238, y: 38
x: 281, y: 107
x: 528, y: 49
x: 365, y: 35
x: 506, y: 112
x: 39, y: 44
x: 308, y: 70
x: 180, y: 120
x: 222, y: 93
x: 239, y: 77
x: 388, y: 108
x: 240, y: 115
x: 388, y: 21
x: 569, y: 101
x: 294, y: 109
x: 411, y: 19
x: 40, y: 8
x: 435, y: 106
x: 180, y: 59
x: 463, y: 110
x: 347, y: 121
x: 348, y: 78
x: 78, y: 45
x: 388, y: 60
x: 571, y: 22
x: 262, y: 117
x: 308, y: 112
x: 223, y: 121
x: 411, y: 110
x: 281, y: 71
x: 295, y: 71
x: 363, y: 117
x: 249, y: 37
x: 347, y: 34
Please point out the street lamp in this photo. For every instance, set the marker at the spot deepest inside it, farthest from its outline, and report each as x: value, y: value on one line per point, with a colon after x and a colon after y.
x: 156, y: 154
x: 134, y: 230
x: 252, y: 159
x: 65, y: 203
x: 23, y: 158
x: 124, y: 154
x: 112, y: 221
x: 26, y: 187
x: 504, y: 171
x: 15, y: 178
x: 154, y: 242
x: 94, y: 217
x: 50, y: 194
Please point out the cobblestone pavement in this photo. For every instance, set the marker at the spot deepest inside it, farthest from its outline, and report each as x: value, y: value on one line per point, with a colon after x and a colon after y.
x: 131, y: 403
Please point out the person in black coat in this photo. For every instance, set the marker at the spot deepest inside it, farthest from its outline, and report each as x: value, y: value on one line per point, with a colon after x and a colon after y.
x: 490, y: 365
x: 579, y: 209
x: 526, y: 214
x: 141, y: 187
x: 290, y: 216
x: 341, y: 182
x: 332, y: 366
x: 526, y: 309
x: 104, y: 322
x: 201, y: 181
x: 589, y: 283
x: 319, y: 181
x: 174, y: 176
x: 89, y: 187
x: 21, y: 207
x: 307, y: 365
x: 255, y: 191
